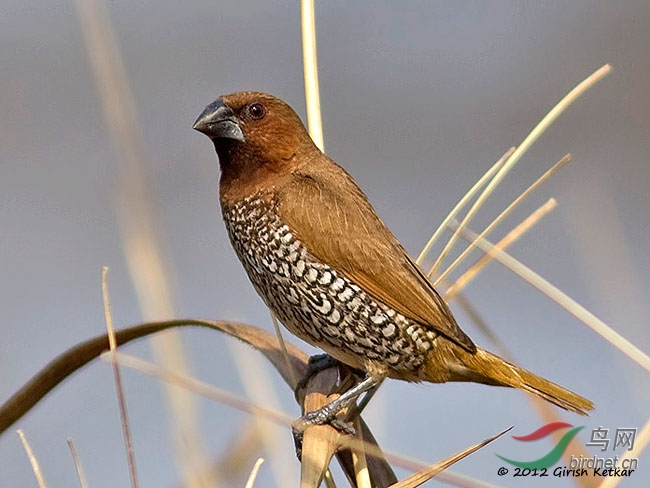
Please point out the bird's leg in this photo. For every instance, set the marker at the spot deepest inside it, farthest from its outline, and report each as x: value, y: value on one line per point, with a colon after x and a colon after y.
x: 367, y: 397
x: 327, y: 413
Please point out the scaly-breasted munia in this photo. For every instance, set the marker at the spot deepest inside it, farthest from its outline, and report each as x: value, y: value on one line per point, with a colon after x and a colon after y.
x: 328, y: 267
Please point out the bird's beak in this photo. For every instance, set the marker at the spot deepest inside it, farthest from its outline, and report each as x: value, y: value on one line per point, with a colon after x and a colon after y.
x: 218, y: 121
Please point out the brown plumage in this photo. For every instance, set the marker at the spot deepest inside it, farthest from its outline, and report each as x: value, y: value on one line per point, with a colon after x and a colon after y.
x: 328, y: 267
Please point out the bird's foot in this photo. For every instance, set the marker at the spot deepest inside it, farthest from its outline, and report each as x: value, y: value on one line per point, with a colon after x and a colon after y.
x: 323, y: 416
x: 328, y: 414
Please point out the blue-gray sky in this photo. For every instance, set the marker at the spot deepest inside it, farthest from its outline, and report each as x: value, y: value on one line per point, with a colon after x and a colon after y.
x: 419, y: 98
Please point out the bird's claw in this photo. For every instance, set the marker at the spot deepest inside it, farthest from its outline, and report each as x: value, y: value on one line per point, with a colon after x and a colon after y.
x: 322, y: 416
x: 343, y: 426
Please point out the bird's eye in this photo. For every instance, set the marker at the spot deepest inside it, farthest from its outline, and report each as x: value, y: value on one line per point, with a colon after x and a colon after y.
x: 257, y: 110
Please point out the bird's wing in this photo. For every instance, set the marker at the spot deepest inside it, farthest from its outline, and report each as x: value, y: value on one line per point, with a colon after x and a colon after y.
x: 334, y: 220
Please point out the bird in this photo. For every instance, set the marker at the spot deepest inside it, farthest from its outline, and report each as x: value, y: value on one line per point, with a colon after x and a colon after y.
x: 327, y: 266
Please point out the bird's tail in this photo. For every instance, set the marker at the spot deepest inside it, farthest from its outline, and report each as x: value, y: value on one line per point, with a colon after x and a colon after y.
x: 485, y: 367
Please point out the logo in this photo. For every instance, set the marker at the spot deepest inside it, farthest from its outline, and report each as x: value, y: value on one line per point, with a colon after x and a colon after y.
x: 620, y: 464
x: 554, y: 454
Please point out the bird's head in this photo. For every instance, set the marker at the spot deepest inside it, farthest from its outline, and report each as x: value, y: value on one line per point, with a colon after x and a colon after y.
x: 251, y: 130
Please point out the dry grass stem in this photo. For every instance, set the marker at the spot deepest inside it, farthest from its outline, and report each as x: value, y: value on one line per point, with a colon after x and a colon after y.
x: 503, y: 244
x: 520, y: 151
x: 77, y: 464
x: 429, y: 472
x: 78, y: 356
x: 310, y: 65
x: 232, y: 466
x: 416, y: 465
x: 515, y: 203
x: 253, y: 475
x: 139, y: 223
x: 108, y: 316
x: 478, y: 320
x: 562, y: 299
x: 36, y: 468
x: 462, y: 202
x: 197, y: 386
x: 126, y: 429
x: 283, y: 347
x: 258, y: 386
x: 81, y: 354
x: 360, y: 461
x: 381, y: 473
x: 329, y: 480
x: 320, y: 442
x: 241, y: 404
x: 240, y: 452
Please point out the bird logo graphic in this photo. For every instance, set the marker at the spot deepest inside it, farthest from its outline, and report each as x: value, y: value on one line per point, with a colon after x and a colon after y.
x: 554, y: 454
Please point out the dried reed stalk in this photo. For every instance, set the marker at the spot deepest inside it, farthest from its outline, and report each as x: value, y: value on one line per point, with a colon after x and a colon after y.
x: 139, y: 227
x: 561, y: 298
x: 77, y: 464
x: 503, y: 244
x: 507, y: 211
x: 36, y: 468
x: 124, y: 418
x: 539, y: 129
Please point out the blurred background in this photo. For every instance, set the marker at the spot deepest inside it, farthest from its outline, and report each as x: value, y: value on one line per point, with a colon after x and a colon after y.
x: 419, y: 99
